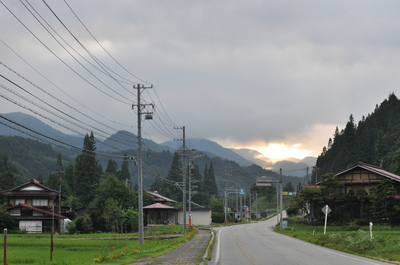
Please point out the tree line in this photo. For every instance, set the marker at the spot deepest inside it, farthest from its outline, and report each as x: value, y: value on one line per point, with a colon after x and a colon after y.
x: 378, y: 206
x: 374, y: 140
x: 108, y: 195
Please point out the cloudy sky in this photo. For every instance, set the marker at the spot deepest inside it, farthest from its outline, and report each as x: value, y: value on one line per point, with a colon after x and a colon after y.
x: 275, y: 76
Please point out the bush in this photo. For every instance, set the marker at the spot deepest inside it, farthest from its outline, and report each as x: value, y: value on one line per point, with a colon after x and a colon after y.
x: 291, y: 211
x: 81, y: 225
x: 71, y: 227
x: 131, y: 220
x: 352, y: 226
x: 6, y: 221
x: 362, y: 222
x: 218, y: 217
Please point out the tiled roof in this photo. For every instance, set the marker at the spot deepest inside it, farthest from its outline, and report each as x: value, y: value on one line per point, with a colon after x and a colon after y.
x: 159, y: 206
x: 22, y: 191
x: 159, y: 198
x: 375, y: 169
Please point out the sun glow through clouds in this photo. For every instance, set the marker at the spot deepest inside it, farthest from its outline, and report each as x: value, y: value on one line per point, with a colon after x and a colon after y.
x: 279, y: 151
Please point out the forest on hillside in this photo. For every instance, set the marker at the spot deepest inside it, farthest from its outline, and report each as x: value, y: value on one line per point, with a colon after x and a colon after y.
x: 374, y: 140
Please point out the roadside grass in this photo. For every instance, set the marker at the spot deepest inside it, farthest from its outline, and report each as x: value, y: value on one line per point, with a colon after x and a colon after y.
x: 385, y: 243
x: 104, y: 248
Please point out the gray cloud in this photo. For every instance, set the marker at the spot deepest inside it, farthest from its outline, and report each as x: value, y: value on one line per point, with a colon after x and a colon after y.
x: 239, y: 72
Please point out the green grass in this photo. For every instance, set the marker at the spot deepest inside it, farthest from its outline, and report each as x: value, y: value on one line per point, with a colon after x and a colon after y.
x: 385, y: 244
x: 90, y: 249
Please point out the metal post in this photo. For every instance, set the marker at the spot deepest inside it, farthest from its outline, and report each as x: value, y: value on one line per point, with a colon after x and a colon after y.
x: 256, y: 207
x: 226, y: 208
x: 326, y: 218
x: 250, y: 206
x: 237, y: 200
x: 59, y: 203
x: 140, y: 180
x: 184, y: 182
x: 241, y: 208
x: 51, y: 245
x: 277, y: 204
x: 190, y: 194
x: 281, y: 199
x: 5, y: 246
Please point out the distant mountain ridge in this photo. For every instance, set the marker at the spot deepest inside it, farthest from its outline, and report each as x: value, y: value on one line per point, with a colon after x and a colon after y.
x: 213, y: 149
x: 124, y: 140
x: 36, y: 125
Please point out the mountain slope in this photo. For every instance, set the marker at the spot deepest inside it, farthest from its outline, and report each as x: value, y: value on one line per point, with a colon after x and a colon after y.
x: 124, y: 140
x: 374, y: 140
x: 212, y: 149
x: 35, y: 125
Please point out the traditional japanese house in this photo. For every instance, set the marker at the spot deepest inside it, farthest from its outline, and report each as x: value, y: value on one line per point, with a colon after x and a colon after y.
x: 35, y: 207
x: 365, y: 176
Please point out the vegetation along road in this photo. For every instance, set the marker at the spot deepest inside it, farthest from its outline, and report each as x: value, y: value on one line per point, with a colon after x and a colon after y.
x: 257, y: 243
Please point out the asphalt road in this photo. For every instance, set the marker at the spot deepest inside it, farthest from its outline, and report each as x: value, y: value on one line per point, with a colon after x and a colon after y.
x: 257, y: 244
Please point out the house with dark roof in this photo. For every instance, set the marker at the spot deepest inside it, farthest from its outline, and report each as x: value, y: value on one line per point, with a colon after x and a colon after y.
x: 365, y: 176
x: 161, y: 213
x: 36, y: 207
x: 158, y: 198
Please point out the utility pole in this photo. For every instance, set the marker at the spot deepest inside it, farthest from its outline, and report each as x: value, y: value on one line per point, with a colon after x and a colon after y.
x: 148, y: 116
x: 316, y: 173
x: 227, y: 173
x: 256, y: 206
x: 190, y: 193
x: 59, y: 203
x: 281, y: 198
x: 237, y: 200
x: 184, y: 177
x: 306, y: 176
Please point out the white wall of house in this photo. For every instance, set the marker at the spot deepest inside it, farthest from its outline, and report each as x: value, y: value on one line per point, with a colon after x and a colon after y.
x: 199, y: 217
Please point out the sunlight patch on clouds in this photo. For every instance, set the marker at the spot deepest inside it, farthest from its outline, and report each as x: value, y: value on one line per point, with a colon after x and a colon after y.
x: 309, y: 142
x: 279, y: 151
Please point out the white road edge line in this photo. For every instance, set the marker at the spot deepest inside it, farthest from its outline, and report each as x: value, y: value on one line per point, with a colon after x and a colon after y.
x: 218, y: 246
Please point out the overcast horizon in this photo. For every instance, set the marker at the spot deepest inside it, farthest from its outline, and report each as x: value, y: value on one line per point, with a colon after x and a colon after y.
x: 274, y: 76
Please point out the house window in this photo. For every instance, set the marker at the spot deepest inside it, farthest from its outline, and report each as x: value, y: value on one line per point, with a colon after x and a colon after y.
x: 40, y: 202
x: 31, y: 226
x: 15, y: 211
x: 36, y: 213
x: 18, y: 201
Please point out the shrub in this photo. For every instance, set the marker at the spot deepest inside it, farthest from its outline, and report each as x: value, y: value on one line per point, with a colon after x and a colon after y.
x: 362, y: 222
x: 218, y: 217
x: 352, y: 226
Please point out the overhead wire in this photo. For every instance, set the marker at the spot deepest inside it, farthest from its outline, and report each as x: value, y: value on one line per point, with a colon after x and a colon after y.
x: 49, y: 111
x: 51, y: 138
x: 86, y: 50
x: 61, y: 101
x: 165, y: 119
x: 102, y: 45
x: 60, y: 89
x: 41, y: 115
x: 61, y: 60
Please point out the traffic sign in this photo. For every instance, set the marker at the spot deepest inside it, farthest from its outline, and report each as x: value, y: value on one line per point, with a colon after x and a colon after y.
x: 241, y: 192
x: 326, y: 210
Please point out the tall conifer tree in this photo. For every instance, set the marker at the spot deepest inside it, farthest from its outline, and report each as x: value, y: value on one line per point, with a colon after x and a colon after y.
x: 88, y: 170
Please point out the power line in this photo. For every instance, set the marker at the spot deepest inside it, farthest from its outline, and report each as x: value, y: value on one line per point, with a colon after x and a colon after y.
x: 103, y: 46
x: 67, y: 65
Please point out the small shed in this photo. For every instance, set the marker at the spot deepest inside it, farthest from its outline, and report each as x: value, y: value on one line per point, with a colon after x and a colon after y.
x: 159, y: 213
